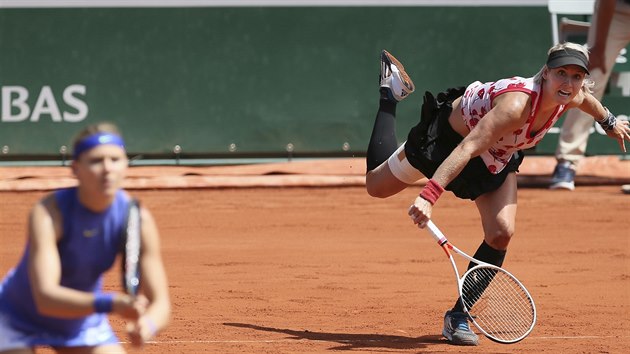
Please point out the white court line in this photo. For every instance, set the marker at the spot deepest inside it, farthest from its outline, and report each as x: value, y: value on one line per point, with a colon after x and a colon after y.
x: 219, y: 341
x: 343, y: 340
x: 266, y: 341
x: 580, y: 337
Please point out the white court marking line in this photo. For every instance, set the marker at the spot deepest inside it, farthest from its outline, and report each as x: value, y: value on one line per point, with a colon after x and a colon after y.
x: 580, y: 337
x: 344, y: 340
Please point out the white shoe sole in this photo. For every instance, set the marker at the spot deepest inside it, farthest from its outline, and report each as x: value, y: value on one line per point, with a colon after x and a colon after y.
x: 449, y: 337
x: 563, y: 185
x: 398, y: 81
x: 404, y: 77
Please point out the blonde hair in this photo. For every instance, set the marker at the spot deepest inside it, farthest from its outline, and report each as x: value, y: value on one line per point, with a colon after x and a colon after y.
x: 588, y: 83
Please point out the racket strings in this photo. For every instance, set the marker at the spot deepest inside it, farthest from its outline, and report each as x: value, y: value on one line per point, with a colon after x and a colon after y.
x: 498, y: 303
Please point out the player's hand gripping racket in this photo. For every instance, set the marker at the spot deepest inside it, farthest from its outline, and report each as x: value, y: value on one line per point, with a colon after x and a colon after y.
x: 131, y: 251
x: 495, y: 301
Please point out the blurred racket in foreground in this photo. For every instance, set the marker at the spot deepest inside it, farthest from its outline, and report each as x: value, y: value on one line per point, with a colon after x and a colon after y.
x: 495, y: 301
x: 131, y: 251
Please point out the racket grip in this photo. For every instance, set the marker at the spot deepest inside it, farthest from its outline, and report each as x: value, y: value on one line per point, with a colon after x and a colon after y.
x: 436, y: 233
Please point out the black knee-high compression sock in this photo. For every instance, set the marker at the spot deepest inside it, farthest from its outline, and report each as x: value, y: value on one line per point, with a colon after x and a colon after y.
x: 383, y: 140
x: 487, y: 254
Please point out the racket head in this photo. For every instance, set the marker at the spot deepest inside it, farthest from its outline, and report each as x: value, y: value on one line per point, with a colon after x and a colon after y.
x: 497, y: 303
x: 131, y: 250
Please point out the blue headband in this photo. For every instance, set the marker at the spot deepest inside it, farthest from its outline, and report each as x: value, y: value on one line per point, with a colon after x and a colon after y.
x: 94, y: 140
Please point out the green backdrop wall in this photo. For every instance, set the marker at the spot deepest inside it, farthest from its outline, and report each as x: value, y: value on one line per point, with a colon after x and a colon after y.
x: 242, y: 81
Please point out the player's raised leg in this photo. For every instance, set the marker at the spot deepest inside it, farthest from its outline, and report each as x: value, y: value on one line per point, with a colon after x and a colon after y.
x: 383, y: 178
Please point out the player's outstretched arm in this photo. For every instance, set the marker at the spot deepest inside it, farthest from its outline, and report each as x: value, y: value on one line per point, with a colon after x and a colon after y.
x: 615, y: 128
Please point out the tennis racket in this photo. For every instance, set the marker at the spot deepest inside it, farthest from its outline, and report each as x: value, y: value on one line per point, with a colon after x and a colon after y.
x: 131, y: 250
x: 495, y: 301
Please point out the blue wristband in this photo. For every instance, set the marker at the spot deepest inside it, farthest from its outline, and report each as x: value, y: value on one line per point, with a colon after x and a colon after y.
x: 103, y: 302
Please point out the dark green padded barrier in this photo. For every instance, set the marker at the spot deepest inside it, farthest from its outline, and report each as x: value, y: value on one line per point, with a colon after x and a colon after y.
x: 243, y: 81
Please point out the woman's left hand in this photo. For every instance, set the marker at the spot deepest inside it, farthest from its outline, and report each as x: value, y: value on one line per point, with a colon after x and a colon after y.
x: 621, y: 132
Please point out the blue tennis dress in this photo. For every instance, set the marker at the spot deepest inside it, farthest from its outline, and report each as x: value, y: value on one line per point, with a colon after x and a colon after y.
x: 88, y: 247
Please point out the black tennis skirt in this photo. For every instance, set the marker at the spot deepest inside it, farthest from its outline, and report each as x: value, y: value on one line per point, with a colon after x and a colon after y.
x: 433, y: 139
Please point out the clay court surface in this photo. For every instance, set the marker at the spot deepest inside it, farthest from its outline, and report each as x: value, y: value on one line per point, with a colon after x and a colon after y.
x: 327, y: 269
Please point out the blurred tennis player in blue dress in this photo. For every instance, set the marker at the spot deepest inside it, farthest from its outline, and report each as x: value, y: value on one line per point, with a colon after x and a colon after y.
x: 54, y: 296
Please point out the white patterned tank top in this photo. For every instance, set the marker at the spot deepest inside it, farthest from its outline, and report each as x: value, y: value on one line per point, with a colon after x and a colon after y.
x: 477, y: 102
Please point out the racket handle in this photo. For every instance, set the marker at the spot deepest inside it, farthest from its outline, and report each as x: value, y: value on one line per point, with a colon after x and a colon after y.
x: 436, y: 233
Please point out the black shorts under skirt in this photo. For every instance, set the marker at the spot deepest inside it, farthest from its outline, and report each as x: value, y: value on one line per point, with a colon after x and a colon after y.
x: 431, y: 141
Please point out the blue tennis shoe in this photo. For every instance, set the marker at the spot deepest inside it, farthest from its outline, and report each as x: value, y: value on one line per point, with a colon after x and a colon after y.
x: 457, y: 330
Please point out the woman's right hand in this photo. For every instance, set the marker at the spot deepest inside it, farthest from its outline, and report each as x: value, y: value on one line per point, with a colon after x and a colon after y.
x: 420, y: 212
x: 129, y: 307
